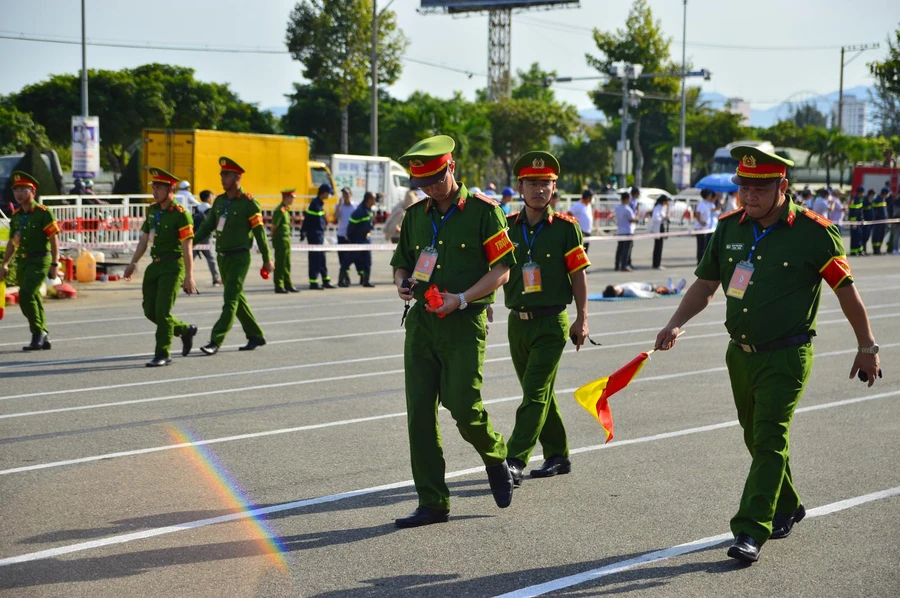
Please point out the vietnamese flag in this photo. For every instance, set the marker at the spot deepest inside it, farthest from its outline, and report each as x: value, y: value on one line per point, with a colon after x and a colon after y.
x: 594, y: 396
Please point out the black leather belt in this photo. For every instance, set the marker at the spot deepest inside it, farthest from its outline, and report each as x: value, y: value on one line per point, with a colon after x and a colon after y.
x: 167, y: 258
x: 234, y: 251
x: 539, y: 312
x: 34, y: 254
x: 797, y: 339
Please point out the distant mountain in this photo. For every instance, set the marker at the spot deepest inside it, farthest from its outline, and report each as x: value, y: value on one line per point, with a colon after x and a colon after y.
x: 767, y: 117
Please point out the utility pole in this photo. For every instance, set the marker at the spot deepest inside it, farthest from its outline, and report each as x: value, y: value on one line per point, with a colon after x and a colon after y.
x: 84, y: 74
x: 374, y: 119
x: 681, y: 138
x: 859, y: 49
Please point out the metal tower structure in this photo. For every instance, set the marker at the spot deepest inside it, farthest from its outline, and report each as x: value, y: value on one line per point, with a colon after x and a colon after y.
x: 499, y: 43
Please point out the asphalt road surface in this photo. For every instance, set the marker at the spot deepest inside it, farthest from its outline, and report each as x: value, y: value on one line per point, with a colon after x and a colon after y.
x: 280, y: 472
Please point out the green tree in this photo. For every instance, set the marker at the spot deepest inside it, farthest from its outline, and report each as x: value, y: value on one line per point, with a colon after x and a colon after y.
x: 314, y: 113
x: 808, y: 115
x: 831, y: 147
x: 332, y: 38
x: 18, y: 131
x: 518, y: 126
x: 640, y: 42
x: 707, y: 130
x: 585, y: 159
x: 33, y: 163
x: 887, y: 88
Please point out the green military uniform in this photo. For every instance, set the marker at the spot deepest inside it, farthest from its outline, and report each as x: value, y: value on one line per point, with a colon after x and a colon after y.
x: 241, y: 220
x: 771, y: 323
x: 443, y: 357
x: 281, y: 246
x: 34, y: 229
x: 538, y: 323
x: 167, y: 229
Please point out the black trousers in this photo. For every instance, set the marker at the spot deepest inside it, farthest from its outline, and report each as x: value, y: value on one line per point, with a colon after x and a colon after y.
x: 702, y: 242
x: 623, y: 254
x: 343, y: 258
x: 658, y: 246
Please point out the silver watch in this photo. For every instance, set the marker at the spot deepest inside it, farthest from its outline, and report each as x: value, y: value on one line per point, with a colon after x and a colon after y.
x: 873, y: 350
x: 462, y: 301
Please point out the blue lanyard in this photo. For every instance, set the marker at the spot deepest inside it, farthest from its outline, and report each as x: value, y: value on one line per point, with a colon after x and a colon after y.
x: 531, y: 242
x: 437, y: 227
x: 758, y: 237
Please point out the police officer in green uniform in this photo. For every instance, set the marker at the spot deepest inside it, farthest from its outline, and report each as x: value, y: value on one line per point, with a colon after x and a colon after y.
x: 169, y: 232
x: 236, y: 218
x: 281, y: 243
x: 771, y: 257
x: 549, y: 273
x: 458, y: 243
x: 33, y: 232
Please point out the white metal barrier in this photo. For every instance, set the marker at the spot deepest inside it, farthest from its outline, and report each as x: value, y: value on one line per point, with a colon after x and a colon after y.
x: 98, y: 221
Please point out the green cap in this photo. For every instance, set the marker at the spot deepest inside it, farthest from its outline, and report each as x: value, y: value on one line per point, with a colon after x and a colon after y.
x: 288, y: 191
x: 537, y: 165
x: 756, y: 166
x: 428, y: 160
x: 158, y: 175
x: 229, y: 165
x: 23, y: 179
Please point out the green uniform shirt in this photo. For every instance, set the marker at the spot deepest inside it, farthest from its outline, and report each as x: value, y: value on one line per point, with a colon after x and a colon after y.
x: 790, y: 262
x: 170, y: 228
x: 471, y: 238
x: 243, y: 216
x: 281, y: 223
x: 33, y: 228
x: 556, y: 249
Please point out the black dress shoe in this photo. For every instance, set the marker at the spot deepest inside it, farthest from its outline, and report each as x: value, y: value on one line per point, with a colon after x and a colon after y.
x: 744, y: 549
x: 552, y: 467
x: 252, y: 343
x: 159, y: 361
x: 39, y: 342
x: 314, y: 286
x: 281, y: 291
x: 784, y: 523
x: 517, y: 471
x: 501, y: 482
x: 187, y: 340
x: 210, y: 349
x: 423, y: 516
x: 293, y: 289
x: 327, y: 285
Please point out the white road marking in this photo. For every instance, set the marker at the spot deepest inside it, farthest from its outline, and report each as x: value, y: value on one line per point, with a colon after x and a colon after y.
x: 682, y: 549
x: 252, y: 513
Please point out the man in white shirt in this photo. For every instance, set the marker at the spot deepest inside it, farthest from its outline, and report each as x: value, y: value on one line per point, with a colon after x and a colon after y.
x: 820, y: 203
x: 342, y: 211
x: 625, y: 221
x: 705, y: 218
x: 185, y: 197
x: 584, y: 213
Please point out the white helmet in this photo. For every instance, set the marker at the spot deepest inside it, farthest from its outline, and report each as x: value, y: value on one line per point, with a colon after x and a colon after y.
x: 184, y: 185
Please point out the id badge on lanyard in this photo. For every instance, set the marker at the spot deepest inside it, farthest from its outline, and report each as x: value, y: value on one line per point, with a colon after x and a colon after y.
x: 740, y: 280
x: 531, y: 278
x: 426, y: 264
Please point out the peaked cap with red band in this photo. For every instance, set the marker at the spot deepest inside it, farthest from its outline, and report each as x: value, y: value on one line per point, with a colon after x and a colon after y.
x: 537, y: 165
x: 158, y: 175
x: 428, y: 160
x: 23, y: 179
x: 229, y: 165
x: 757, y: 166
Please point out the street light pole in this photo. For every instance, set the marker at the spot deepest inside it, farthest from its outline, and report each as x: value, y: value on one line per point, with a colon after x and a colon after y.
x: 683, y: 71
x: 84, y: 75
x: 374, y: 120
x: 859, y: 49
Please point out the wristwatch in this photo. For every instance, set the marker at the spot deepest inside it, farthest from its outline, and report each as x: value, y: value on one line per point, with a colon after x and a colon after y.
x: 462, y: 301
x: 873, y: 350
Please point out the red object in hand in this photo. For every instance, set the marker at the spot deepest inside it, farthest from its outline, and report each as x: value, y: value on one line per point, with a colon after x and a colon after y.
x: 264, y: 273
x: 435, y: 301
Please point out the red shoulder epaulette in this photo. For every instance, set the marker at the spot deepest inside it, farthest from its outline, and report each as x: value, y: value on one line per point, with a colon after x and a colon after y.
x: 812, y: 215
x: 178, y: 207
x: 566, y: 217
x: 247, y: 195
x: 512, y: 215
x: 731, y: 213
x: 487, y: 200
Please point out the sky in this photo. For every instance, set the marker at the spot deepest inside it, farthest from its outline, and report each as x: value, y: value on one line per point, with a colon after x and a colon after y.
x: 765, y: 51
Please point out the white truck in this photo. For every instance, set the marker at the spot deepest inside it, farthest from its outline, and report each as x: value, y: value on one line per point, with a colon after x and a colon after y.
x: 368, y: 173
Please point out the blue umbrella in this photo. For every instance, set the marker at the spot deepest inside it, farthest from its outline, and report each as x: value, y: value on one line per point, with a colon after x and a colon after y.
x: 720, y: 183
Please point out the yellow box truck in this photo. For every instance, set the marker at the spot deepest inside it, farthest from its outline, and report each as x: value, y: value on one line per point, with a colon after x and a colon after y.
x: 272, y: 162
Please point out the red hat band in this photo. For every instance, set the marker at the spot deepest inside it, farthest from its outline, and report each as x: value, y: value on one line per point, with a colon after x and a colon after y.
x: 748, y: 168
x: 537, y: 173
x: 19, y: 181
x: 420, y: 169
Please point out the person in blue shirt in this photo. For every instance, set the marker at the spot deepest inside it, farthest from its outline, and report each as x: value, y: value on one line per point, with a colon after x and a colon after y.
x: 359, y: 230
x: 508, y: 195
x: 313, y: 229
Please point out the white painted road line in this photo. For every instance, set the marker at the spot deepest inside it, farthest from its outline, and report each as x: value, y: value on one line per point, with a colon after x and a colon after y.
x: 300, y: 504
x: 682, y: 549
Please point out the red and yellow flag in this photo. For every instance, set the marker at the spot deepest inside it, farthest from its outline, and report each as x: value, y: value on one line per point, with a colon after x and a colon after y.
x: 594, y: 396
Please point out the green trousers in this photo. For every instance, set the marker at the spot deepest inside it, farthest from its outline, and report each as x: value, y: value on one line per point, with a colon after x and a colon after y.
x: 282, y: 247
x: 536, y: 347
x: 234, y: 270
x: 443, y: 359
x: 31, y: 273
x: 767, y: 387
x: 162, y: 282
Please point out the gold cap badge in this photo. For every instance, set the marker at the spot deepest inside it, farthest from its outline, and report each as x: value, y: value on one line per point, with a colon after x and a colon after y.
x: 538, y: 163
x: 416, y: 163
x: 749, y: 161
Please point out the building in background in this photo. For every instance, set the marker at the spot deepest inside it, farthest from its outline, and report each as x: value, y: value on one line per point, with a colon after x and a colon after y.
x: 854, y: 116
x: 739, y: 106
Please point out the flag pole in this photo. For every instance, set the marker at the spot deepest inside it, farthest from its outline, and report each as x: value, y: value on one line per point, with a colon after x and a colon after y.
x: 652, y: 351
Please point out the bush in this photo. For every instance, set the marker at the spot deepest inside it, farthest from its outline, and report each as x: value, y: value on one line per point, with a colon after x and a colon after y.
x: 33, y: 163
